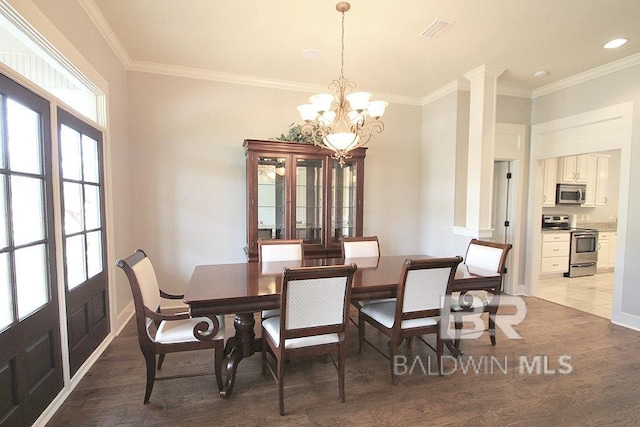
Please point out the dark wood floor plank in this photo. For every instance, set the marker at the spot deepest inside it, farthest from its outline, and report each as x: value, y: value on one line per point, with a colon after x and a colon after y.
x: 602, y: 389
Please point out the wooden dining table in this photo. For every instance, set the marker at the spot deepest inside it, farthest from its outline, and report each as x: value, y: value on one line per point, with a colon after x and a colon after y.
x: 243, y: 289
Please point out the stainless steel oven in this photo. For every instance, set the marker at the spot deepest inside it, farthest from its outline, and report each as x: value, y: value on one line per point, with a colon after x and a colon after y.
x: 584, y: 253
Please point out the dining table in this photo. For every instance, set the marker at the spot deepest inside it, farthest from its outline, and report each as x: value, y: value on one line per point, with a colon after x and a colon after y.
x: 243, y: 289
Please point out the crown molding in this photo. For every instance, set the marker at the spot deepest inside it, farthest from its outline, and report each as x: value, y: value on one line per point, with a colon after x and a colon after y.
x: 104, y: 28
x: 247, y: 80
x: 603, y: 70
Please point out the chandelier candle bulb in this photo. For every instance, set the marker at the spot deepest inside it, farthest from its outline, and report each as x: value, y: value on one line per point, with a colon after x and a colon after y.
x: 346, y: 121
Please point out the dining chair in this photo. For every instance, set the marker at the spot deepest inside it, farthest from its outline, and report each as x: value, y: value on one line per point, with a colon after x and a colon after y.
x: 365, y: 248
x: 279, y: 250
x: 161, y: 333
x: 360, y: 247
x: 484, y: 255
x: 314, y: 304
x: 423, y: 296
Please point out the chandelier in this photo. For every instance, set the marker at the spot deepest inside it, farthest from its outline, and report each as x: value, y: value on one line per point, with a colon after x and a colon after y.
x: 346, y: 121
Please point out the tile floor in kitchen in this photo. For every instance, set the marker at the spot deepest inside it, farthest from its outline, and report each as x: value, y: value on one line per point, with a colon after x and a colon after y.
x: 593, y: 294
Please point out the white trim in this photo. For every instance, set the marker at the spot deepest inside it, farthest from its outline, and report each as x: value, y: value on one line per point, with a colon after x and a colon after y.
x: 98, y: 19
x: 472, y: 232
x: 568, y: 137
x: 594, y: 73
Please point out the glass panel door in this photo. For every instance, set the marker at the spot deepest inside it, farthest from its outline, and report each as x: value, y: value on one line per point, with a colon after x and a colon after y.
x: 30, y: 345
x: 271, y: 197
x: 84, y: 230
x: 309, y: 202
x: 344, y: 198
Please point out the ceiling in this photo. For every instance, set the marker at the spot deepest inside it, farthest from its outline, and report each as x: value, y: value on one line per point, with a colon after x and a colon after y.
x: 260, y: 40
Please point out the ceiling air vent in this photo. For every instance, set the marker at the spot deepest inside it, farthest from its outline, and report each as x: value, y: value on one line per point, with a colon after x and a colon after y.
x: 436, y: 28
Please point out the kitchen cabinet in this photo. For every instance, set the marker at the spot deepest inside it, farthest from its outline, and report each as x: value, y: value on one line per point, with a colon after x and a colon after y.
x: 597, y: 176
x: 555, y: 252
x: 549, y: 179
x: 607, y: 250
x: 602, y: 179
x: 572, y: 169
x: 591, y: 174
x: 297, y: 191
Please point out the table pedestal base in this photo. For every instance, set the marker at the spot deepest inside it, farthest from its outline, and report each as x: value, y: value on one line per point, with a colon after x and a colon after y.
x: 243, y: 344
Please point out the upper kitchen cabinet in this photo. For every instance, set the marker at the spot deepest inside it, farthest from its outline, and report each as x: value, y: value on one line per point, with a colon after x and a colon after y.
x: 602, y: 179
x: 549, y: 182
x: 572, y: 170
x: 297, y: 191
x: 597, y: 177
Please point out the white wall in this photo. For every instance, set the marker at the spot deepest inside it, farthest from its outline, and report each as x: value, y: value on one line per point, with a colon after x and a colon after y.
x: 188, y: 166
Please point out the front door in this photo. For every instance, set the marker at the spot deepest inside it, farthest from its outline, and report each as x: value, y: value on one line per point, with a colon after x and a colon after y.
x: 30, y: 350
x: 84, y: 237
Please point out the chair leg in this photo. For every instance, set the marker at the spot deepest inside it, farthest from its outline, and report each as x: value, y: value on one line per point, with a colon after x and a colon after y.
x: 492, y: 327
x: 263, y: 354
x: 393, y: 347
x: 281, y: 382
x: 218, y: 356
x: 341, y: 363
x: 360, y: 332
x: 439, y: 352
x: 151, y: 375
x: 457, y: 320
x: 160, y: 360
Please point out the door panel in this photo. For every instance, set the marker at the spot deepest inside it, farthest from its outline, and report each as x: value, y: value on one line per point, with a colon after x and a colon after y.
x: 30, y: 347
x: 84, y: 231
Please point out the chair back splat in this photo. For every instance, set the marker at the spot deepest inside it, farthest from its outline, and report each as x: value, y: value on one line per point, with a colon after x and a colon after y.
x: 360, y: 247
x: 280, y: 250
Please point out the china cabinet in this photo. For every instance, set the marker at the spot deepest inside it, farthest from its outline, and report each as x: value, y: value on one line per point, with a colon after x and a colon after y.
x: 297, y: 191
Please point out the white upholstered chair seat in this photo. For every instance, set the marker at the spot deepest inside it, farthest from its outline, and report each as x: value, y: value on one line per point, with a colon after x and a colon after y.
x: 361, y: 304
x: 270, y: 313
x: 384, y: 313
x: 181, y: 331
x: 272, y: 327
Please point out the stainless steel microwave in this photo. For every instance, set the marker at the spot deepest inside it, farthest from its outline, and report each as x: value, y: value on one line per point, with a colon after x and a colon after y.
x: 571, y: 194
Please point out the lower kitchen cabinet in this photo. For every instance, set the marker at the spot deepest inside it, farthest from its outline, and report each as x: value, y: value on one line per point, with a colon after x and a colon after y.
x: 555, y: 252
x: 607, y: 249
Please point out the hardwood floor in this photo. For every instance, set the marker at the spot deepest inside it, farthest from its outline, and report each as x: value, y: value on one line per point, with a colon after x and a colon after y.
x: 487, y: 386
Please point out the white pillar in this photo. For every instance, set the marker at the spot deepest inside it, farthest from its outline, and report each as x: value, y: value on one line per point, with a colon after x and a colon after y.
x: 482, y: 123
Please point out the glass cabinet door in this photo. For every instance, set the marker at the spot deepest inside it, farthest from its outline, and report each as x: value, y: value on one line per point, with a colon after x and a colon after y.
x: 271, y: 197
x: 309, y: 203
x: 344, y: 199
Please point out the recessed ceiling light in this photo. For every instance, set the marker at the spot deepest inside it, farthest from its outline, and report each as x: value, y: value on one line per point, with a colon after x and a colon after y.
x: 541, y: 73
x: 615, y: 43
x: 311, y: 53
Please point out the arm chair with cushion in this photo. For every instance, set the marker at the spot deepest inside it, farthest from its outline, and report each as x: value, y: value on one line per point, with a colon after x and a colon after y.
x: 483, y: 255
x: 173, y: 332
x: 422, y: 304
x: 314, y: 304
x: 279, y: 250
